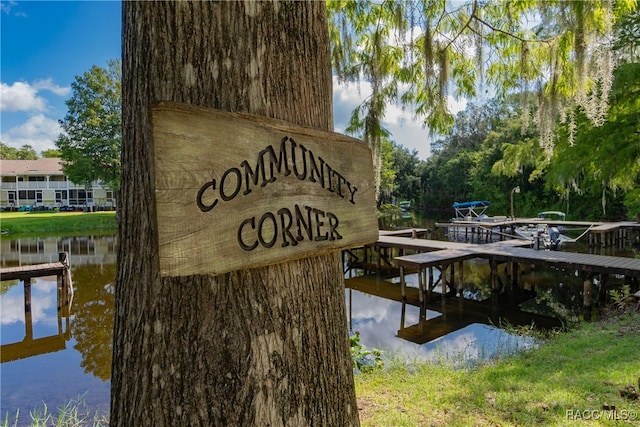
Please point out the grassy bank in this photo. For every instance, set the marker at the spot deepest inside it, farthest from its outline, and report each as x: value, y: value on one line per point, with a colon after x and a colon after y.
x: 571, y: 376
x: 25, y: 223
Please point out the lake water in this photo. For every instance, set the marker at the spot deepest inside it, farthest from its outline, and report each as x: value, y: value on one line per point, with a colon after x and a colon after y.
x: 57, y: 357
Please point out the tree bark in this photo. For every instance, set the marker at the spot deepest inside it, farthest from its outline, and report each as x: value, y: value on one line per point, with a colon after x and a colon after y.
x: 265, y: 346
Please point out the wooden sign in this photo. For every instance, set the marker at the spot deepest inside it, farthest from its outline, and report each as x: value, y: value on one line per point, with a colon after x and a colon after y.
x: 236, y: 191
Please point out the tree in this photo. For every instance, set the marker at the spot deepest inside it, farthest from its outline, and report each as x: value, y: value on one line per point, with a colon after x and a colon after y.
x: 51, y: 153
x: 90, y: 144
x: 266, y: 346
x: 26, y: 152
x: 419, y: 53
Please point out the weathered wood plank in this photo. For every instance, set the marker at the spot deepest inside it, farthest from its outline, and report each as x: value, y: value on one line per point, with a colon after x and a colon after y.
x: 27, y: 271
x: 435, y: 258
x: 236, y: 191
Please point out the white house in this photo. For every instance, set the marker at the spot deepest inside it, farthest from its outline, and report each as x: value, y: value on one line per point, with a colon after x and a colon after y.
x: 40, y: 183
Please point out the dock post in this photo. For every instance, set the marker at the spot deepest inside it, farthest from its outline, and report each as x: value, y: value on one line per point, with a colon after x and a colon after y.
x: 65, y: 281
x: 28, y: 320
x: 494, y: 275
x: 403, y: 289
x: 452, y: 267
x: 420, y: 286
x: 494, y: 284
x: 460, y: 283
x: 430, y: 284
x: 443, y: 288
x: 587, y: 297
x: 604, y: 281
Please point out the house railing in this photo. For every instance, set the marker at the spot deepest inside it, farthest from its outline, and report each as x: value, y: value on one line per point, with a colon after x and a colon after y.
x: 42, y: 185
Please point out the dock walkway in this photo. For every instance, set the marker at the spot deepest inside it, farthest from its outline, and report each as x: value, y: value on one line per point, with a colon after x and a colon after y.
x: 24, y: 272
x: 450, y: 253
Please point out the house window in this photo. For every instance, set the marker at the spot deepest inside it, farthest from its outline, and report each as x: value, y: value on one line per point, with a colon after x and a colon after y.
x: 27, y: 194
x: 29, y: 246
x: 61, y: 196
x: 80, y: 197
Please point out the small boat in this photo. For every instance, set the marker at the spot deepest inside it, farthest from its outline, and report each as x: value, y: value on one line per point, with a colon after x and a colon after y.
x: 555, y: 215
x: 405, y: 205
x: 405, y: 209
x: 542, y: 235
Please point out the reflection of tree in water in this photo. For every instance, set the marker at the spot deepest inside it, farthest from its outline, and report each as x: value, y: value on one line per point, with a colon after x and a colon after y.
x: 92, y: 326
x: 7, y: 284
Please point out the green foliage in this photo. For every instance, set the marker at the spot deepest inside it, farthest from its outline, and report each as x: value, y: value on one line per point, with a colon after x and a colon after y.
x: 401, y: 175
x: 604, y: 161
x: 419, y: 53
x: 364, y: 360
x: 90, y: 146
x: 26, y: 152
x: 51, y: 153
x: 622, y: 298
x: 387, y: 174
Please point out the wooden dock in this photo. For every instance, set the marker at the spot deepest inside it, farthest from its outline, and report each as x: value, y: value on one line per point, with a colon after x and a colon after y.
x: 452, y: 253
x: 31, y: 346
x: 26, y: 272
x: 398, y: 254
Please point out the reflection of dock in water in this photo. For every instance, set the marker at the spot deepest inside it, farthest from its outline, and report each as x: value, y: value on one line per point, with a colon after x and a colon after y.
x: 29, y: 346
x: 455, y: 312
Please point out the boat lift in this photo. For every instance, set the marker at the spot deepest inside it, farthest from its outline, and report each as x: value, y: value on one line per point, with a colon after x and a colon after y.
x: 471, y: 211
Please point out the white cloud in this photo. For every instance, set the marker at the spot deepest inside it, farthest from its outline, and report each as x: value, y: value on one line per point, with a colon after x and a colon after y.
x: 20, y: 96
x: 6, y: 6
x: 405, y: 129
x: 43, y: 304
x: 38, y: 131
x: 47, y: 84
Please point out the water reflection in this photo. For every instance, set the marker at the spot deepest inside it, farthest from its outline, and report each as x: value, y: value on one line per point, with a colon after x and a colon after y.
x: 93, y: 322
x: 379, y: 323
x: 455, y: 330
x: 16, y: 310
x: 55, y: 356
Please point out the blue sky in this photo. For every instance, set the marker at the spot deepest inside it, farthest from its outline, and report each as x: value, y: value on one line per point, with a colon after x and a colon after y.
x: 46, y: 44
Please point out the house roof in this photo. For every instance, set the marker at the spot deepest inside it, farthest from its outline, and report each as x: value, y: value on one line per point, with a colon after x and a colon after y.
x: 43, y: 166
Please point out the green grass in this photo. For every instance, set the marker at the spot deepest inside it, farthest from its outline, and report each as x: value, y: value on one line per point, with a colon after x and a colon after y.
x: 571, y: 375
x: 74, y: 413
x: 39, y: 223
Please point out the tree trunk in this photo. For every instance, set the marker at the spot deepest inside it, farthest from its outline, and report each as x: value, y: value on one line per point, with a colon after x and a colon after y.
x: 265, y: 346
